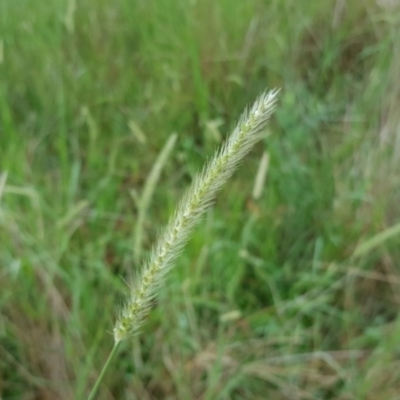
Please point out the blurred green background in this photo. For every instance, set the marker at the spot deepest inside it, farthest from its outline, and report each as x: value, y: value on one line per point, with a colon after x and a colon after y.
x: 288, y: 294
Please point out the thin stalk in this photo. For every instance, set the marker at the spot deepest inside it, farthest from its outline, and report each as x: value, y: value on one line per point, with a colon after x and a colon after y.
x: 103, y: 371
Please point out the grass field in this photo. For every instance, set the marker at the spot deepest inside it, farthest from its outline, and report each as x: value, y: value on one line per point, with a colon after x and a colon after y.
x: 108, y: 110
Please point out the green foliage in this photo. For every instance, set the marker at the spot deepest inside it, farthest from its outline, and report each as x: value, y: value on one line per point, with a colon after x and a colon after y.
x: 293, y: 295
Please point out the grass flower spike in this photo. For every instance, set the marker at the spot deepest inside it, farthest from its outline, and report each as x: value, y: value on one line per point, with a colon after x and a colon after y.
x: 196, y: 201
x: 194, y: 204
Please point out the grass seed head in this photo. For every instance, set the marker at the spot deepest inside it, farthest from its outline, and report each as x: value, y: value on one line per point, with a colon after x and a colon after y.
x: 195, y: 202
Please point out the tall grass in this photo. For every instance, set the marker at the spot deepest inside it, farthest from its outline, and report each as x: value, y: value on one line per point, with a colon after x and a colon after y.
x: 291, y: 295
x: 187, y: 215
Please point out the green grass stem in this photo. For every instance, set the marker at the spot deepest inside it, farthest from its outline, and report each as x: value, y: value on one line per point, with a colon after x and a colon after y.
x: 99, y: 379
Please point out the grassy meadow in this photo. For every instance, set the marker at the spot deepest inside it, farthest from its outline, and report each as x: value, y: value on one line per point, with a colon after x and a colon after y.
x: 290, y: 287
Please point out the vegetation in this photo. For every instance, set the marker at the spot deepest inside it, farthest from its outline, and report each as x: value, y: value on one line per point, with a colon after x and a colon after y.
x: 289, y: 290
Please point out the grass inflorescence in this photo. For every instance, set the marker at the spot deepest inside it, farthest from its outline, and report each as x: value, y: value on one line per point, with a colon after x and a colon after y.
x: 193, y: 206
